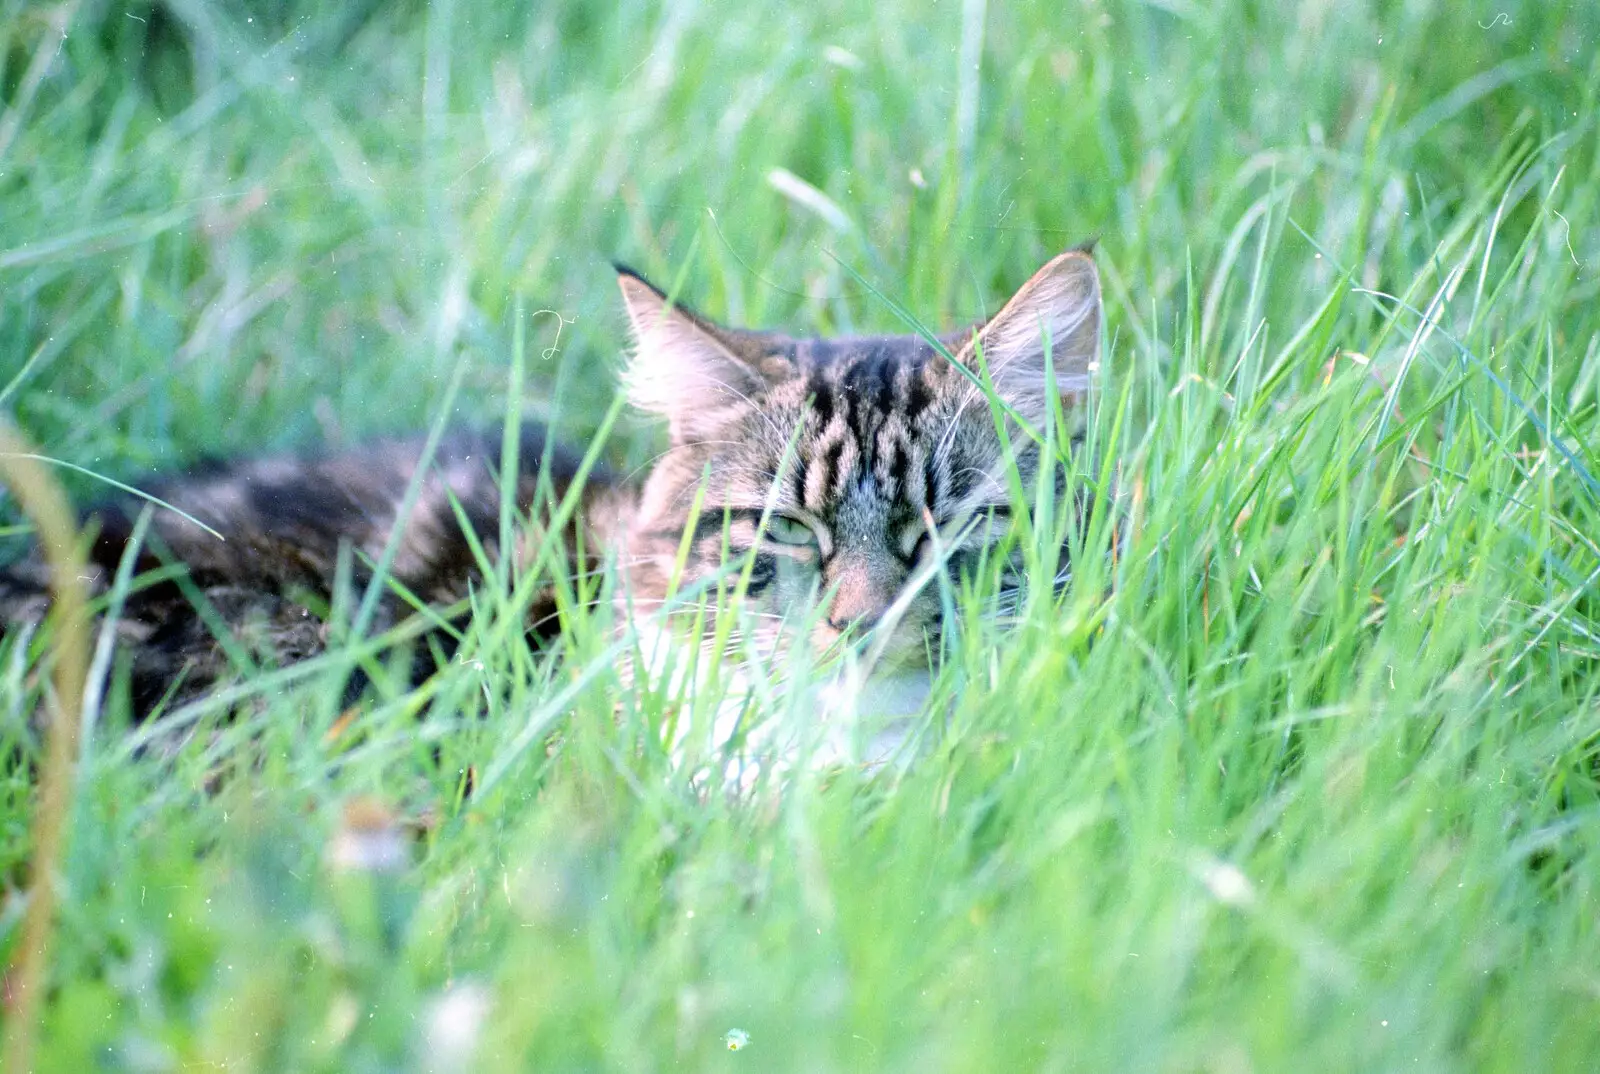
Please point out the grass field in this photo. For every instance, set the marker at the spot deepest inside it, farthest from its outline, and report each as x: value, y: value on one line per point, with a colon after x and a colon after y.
x: 1305, y: 776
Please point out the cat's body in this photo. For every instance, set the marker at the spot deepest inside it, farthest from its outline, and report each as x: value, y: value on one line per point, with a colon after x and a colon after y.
x: 263, y: 539
x: 825, y: 483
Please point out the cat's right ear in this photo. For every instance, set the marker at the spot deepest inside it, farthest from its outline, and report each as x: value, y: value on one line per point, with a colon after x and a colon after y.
x: 684, y: 368
x: 1061, y: 304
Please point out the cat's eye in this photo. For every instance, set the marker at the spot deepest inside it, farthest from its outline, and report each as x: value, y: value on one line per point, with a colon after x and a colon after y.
x: 981, y: 530
x: 786, y: 530
x: 992, y: 526
x: 915, y: 541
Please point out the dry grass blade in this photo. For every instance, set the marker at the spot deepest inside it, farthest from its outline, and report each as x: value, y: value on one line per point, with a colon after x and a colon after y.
x: 43, y: 501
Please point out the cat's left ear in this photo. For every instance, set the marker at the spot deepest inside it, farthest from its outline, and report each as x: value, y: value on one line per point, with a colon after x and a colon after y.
x: 1061, y: 300
x: 689, y: 370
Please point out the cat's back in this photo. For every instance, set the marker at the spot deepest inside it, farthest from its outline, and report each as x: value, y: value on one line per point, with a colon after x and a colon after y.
x: 280, y: 520
x: 254, y: 546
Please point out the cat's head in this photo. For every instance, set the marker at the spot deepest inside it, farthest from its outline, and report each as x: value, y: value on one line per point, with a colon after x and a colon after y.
x: 848, y: 448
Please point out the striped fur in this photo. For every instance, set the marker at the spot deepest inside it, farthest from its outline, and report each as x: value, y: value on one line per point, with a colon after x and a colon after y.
x: 838, y: 471
x: 868, y: 458
x: 284, y: 523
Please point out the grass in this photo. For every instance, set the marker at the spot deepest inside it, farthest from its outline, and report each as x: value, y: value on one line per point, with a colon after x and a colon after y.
x: 1305, y: 776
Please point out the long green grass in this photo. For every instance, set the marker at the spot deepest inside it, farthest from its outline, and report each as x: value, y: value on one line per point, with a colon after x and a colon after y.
x: 1302, y: 771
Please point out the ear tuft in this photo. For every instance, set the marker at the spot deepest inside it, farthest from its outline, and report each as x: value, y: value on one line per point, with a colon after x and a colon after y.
x: 683, y: 367
x: 1063, y: 300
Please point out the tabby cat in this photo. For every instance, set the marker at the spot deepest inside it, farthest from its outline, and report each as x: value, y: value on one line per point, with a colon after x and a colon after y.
x: 827, y: 480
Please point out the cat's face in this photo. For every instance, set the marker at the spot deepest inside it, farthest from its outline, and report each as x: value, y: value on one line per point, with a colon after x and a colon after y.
x: 843, y: 472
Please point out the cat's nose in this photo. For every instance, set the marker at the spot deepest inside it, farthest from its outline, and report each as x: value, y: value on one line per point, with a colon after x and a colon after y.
x: 859, y: 600
x: 860, y: 621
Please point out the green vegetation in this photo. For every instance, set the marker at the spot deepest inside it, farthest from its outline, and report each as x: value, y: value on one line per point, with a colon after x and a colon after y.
x: 1305, y: 775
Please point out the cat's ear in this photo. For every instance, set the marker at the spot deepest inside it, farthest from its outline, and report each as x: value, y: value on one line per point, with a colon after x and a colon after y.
x: 688, y: 370
x: 1063, y: 300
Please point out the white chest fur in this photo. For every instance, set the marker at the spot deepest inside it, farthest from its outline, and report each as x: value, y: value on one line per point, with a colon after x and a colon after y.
x: 746, y: 715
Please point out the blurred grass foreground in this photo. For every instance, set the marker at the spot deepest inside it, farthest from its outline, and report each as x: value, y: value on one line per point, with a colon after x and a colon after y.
x: 1305, y: 776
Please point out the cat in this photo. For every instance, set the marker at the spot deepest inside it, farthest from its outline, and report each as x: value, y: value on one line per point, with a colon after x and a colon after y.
x: 818, y: 484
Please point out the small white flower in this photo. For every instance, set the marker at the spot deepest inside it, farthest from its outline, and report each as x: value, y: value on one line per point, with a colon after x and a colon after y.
x: 368, y: 839
x: 454, y: 1023
x: 1226, y: 881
